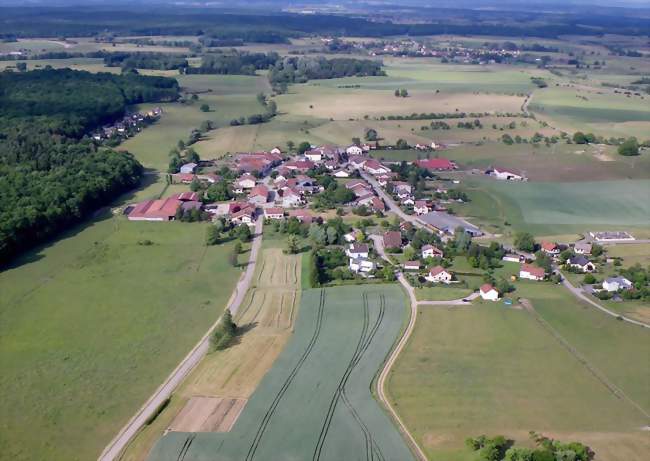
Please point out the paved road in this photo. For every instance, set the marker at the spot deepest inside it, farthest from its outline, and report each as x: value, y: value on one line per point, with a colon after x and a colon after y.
x: 578, y: 293
x: 115, y: 447
x: 390, y: 203
x: 381, y: 381
x: 379, y: 246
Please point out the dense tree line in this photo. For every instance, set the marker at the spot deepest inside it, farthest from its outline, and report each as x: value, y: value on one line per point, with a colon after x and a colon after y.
x: 276, y: 28
x: 301, y: 69
x: 158, y: 61
x: 233, y: 63
x: 50, y: 175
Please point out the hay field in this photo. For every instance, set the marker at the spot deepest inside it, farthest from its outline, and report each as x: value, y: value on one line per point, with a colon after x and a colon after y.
x: 342, y: 104
x: 491, y: 370
x: 316, y: 402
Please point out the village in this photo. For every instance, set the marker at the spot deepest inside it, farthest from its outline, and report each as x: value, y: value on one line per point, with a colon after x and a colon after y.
x: 375, y: 220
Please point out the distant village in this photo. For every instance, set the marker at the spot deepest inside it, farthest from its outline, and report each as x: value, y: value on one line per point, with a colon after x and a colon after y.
x: 128, y: 126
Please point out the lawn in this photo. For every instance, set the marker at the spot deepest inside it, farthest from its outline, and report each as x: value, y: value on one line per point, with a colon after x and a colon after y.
x: 493, y: 370
x: 316, y: 398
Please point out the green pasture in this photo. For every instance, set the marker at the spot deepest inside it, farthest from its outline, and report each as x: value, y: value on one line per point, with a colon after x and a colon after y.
x: 601, y: 111
x: 85, y: 332
x: 316, y: 400
x: 429, y: 75
x: 490, y: 369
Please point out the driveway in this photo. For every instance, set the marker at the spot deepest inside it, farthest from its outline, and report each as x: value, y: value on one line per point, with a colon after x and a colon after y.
x: 115, y: 447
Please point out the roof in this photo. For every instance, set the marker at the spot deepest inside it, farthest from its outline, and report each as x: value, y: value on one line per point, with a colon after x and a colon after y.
x: 584, y: 246
x: 378, y: 204
x: 260, y: 190
x: 578, y: 260
x: 356, y: 183
x: 421, y: 203
x: 437, y: 270
x: 412, y: 264
x: 162, y: 208
x: 273, y: 210
x: 486, y: 288
x: 436, y: 164
x: 432, y: 248
x: 359, y: 248
x: 549, y: 246
x: 186, y: 196
x: 533, y: 270
x: 392, y: 239
x: 618, y: 279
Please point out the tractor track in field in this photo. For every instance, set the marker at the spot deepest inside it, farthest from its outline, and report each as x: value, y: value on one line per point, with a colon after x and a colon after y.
x: 276, y: 401
x: 364, y: 342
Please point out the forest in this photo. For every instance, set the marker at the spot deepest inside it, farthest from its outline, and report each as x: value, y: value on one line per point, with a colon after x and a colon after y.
x: 51, y: 175
x: 157, y: 61
x: 301, y: 69
x: 233, y: 63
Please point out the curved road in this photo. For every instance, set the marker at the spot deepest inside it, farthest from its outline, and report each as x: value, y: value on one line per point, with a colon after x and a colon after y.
x: 115, y: 447
x: 577, y: 292
x: 381, y: 381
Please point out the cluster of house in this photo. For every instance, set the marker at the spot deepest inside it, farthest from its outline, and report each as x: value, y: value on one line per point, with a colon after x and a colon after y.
x: 128, y: 125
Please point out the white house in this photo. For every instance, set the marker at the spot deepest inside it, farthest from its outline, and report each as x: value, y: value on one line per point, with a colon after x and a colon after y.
x: 341, y: 174
x: 360, y: 265
x: 507, y: 175
x: 582, y: 263
x: 489, y: 293
x: 188, y: 168
x: 354, y: 150
x: 429, y: 251
x: 357, y: 250
x: 616, y: 283
x: 291, y: 198
x: 411, y: 266
x: 350, y: 237
x: 531, y: 272
x: 314, y: 155
x: 421, y: 207
x: 513, y: 258
x: 245, y: 181
x: 582, y: 248
x: 273, y: 213
x: 439, y: 274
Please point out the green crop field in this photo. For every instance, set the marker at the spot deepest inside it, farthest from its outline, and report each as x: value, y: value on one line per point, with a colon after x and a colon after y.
x: 315, y: 403
x: 552, y: 208
x: 489, y: 369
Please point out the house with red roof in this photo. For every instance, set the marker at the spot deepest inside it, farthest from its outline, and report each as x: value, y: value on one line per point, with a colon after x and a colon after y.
x: 154, y: 210
x: 436, y: 164
x: 392, y: 239
x: 439, y: 274
x: 299, y: 165
x: 488, y: 292
x: 421, y: 207
x: 274, y: 213
x: 259, y: 195
x: 303, y: 216
x: 550, y: 248
x: 530, y: 272
x: 429, y: 251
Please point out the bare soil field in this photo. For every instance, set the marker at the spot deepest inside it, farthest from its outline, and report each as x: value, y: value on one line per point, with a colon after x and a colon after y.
x: 208, y: 414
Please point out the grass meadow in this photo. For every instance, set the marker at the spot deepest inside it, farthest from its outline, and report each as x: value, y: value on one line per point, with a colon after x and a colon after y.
x: 487, y: 369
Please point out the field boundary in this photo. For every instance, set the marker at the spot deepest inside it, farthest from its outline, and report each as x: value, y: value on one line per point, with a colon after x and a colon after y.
x: 595, y: 372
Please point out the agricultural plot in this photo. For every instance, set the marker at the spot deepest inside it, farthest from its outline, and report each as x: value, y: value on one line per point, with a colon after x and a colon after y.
x: 315, y: 403
x: 553, y: 208
x: 313, y: 99
x: 213, y: 395
x: 590, y: 109
x: 489, y: 369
